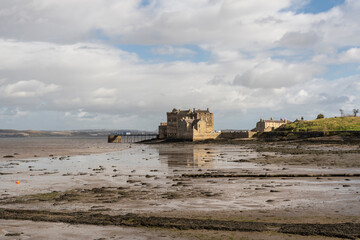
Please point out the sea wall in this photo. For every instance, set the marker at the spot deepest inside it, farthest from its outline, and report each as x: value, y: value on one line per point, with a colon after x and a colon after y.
x: 236, y: 134
x: 205, y: 136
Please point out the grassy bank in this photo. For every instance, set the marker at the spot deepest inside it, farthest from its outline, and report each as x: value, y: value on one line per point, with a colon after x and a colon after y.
x: 324, y: 124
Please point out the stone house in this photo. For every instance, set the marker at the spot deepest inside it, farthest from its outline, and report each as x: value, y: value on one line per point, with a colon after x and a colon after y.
x: 269, y: 125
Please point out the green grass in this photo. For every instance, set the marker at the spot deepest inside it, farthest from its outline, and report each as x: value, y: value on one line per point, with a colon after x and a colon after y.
x: 324, y: 124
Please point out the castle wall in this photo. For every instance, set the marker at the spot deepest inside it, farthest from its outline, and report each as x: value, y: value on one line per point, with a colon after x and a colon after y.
x: 208, y: 118
x: 162, y: 130
x: 173, y: 119
x: 172, y: 123
x: 185, y: 130
x: 182, y: 124
x: 205, y: 136
x: 237, y: 134
x: 200, y: 126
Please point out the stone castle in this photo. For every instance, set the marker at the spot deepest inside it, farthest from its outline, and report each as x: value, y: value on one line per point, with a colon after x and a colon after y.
x: 197, y: 124
x: 189, y: 124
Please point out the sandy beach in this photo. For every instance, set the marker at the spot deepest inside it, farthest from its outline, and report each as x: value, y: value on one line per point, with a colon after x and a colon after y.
x: 180, y: 190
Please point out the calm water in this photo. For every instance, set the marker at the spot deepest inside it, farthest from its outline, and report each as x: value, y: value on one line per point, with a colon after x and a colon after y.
x: 64, y: 172
x: 44, y: 174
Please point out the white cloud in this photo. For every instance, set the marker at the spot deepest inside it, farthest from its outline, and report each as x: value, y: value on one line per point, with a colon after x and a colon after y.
x: 322, y: 93
x: 298, y: 39
x: 95, y: 77
x: 247, y: 25
x: 27, y: 89
x: 6, y: 112
x: 104, y: 92
x: 61, y: 21
x: 276, y: 74
x: 108, y: 83
x: 255, y: 24
x: 351, y: 55
x: 301, y: 97
x: 85, y: 115
x: 298, y: 4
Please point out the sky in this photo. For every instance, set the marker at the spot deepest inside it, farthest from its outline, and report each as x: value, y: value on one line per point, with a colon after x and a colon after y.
x: 122, y: 64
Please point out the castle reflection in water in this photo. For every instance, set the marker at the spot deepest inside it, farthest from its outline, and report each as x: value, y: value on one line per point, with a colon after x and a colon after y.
x: 189, y: 156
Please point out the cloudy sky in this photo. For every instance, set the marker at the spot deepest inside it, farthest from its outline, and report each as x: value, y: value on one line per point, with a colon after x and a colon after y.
x: 115, y: 64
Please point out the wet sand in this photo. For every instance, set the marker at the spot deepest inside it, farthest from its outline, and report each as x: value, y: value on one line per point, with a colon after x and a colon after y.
x: 238, y: 184
x: 24, y: 148
x: 15, y: 229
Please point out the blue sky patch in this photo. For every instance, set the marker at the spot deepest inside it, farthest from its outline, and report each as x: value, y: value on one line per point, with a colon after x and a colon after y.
x: 336, y: 71
x: 150, y: 53
x: 145, y: 3
x: 317, y: 6
x: 300, y: 55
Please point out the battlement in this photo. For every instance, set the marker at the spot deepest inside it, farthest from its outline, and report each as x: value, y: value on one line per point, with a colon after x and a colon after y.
x: 188, y: 112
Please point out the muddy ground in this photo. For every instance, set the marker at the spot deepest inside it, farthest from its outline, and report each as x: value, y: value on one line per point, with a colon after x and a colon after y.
x: 24, y: 148
x: 188, y: 191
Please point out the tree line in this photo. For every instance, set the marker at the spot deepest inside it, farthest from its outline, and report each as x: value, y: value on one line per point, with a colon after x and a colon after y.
x: 355, y: 112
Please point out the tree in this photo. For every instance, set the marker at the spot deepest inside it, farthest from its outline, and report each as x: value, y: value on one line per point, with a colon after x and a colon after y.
x: 320, y: 115
x: 341, y: 112
x: 355, y: 111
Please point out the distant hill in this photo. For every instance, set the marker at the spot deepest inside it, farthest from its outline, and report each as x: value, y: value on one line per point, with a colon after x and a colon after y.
x: 5, y: 133
x: 324, y: 124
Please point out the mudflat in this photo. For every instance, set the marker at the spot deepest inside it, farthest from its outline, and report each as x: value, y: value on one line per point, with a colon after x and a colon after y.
x: 24, y: 148
x: 278, y: 190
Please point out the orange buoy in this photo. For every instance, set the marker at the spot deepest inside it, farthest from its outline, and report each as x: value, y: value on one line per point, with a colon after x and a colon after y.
x: 17, y: 182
